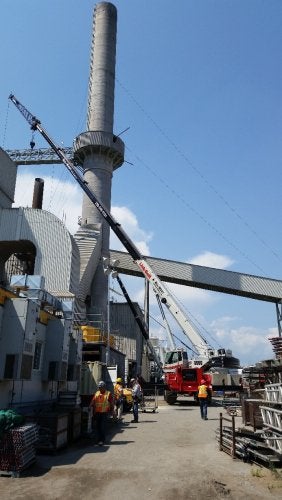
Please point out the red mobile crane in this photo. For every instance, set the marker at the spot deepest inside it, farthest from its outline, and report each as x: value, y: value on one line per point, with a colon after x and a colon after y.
x: 181, y: 376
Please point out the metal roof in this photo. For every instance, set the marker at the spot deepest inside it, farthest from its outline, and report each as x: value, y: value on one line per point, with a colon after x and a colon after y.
x: 218, y: 280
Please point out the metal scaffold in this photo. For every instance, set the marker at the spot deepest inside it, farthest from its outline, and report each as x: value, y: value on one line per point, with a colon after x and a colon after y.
x: 42, y: 156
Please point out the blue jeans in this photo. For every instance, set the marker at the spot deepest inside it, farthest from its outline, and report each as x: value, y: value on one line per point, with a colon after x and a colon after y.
x: 203, y: 407
x: 135, y: 410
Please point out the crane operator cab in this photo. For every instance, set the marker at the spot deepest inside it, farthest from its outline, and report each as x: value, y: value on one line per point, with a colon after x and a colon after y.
x: 176, y: 357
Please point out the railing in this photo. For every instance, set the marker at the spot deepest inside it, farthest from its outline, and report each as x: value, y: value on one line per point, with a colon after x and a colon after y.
x: 93, y: 334
x: 225, y: 444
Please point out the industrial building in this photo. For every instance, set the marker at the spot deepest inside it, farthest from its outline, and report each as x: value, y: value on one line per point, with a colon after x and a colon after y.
x: 57, y: 327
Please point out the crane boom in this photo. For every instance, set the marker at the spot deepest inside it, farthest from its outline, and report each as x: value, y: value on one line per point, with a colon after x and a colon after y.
x: 166, y: 325
x: 159, y: 288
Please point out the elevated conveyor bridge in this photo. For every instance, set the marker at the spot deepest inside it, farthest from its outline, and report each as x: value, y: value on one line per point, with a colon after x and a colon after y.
x: 207, y: 278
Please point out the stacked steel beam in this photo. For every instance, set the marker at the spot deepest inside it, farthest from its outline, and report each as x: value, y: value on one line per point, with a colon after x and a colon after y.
x: 17, y: 448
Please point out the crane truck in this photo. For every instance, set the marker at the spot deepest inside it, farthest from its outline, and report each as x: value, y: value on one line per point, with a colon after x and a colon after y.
x: 181, y: 375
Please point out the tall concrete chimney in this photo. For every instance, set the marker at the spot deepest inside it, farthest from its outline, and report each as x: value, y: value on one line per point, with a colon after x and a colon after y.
x: 97, y: 149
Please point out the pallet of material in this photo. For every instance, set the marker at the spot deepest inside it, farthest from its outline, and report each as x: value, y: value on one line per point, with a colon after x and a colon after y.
x: 17, y: 449
x: 250, y: 448
x: 273, y: 440
x: 53, y: 431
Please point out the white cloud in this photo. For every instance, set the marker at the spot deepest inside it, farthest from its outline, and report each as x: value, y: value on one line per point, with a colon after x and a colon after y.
x: 248, y: 343
x: 223, y: 322
x: 64, y: 199
x: 211, y: 259
x: 130, y: 224
x: 191, y: 296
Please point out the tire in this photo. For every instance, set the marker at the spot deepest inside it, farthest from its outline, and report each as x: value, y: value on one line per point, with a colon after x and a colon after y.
x: 170, y: 397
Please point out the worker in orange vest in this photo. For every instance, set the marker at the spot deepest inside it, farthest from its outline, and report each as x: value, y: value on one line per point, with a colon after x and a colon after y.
x: 102, y: 403
x: 203, y: 397
x: 118, y: 396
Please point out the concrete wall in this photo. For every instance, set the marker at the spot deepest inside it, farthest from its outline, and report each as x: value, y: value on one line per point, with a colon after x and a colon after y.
x: 8, y: 173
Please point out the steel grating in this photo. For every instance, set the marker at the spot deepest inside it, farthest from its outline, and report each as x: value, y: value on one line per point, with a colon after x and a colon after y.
x: 272, y: 418
x: 207, y: 278
x: 273, y: 393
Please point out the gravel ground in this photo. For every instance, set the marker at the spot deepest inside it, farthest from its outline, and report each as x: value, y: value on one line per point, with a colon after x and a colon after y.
x: 170, y: 454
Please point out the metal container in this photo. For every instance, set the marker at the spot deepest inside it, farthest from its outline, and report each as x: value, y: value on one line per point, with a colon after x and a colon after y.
x: 91, y: 373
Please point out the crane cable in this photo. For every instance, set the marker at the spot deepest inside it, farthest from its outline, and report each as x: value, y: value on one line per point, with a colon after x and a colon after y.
x: 205, y: 180
x: 6, y: 124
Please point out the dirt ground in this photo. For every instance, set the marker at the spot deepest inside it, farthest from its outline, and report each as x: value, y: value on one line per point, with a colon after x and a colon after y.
x: 170, y: 454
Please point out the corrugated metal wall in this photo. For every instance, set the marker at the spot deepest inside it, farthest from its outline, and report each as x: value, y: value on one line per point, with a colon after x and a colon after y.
x: 57, y: 257
x: 128, y: 337
x: 89, y: 243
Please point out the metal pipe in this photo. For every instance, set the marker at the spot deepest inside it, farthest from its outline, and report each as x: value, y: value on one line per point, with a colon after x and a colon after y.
x: 38, y: 190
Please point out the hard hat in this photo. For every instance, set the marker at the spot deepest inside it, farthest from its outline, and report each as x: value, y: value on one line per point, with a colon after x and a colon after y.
x: 101, y: 384
x: 203, y: 381
x: 132, y: 380
x: 119, y: 380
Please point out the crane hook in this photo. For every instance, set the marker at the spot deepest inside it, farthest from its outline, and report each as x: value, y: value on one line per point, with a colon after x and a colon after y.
x: 32, y: 143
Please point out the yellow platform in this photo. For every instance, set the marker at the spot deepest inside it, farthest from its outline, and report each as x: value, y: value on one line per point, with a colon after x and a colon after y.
x: 93, y: 334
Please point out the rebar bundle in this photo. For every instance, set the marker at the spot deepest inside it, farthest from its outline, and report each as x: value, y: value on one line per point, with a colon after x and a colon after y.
x: 17, y: 448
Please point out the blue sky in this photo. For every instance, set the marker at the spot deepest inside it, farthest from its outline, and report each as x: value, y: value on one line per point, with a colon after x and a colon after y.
x: 199, y: 84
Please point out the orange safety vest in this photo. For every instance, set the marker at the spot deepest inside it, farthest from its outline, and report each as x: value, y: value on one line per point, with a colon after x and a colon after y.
x: 102, y: 404
x: 118, y: 391
x: 202, y: 391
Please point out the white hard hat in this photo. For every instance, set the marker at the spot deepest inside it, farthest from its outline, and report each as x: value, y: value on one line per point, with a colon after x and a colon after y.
x: 101, y: 384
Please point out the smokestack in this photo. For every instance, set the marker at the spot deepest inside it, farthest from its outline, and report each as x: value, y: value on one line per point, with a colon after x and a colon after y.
x: 102, y: 66
x: 38, y: 189
x: 97, y: 149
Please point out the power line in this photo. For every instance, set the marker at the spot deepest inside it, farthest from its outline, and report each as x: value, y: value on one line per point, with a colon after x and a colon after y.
x: 6, y: 124
x: 205, y: 180
x: 198, y: 214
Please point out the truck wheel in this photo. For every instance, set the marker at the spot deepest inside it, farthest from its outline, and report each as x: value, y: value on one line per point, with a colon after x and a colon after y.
x: 170, y: 397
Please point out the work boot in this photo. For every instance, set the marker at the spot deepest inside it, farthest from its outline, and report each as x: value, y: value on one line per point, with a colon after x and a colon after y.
x: 134, y: 421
